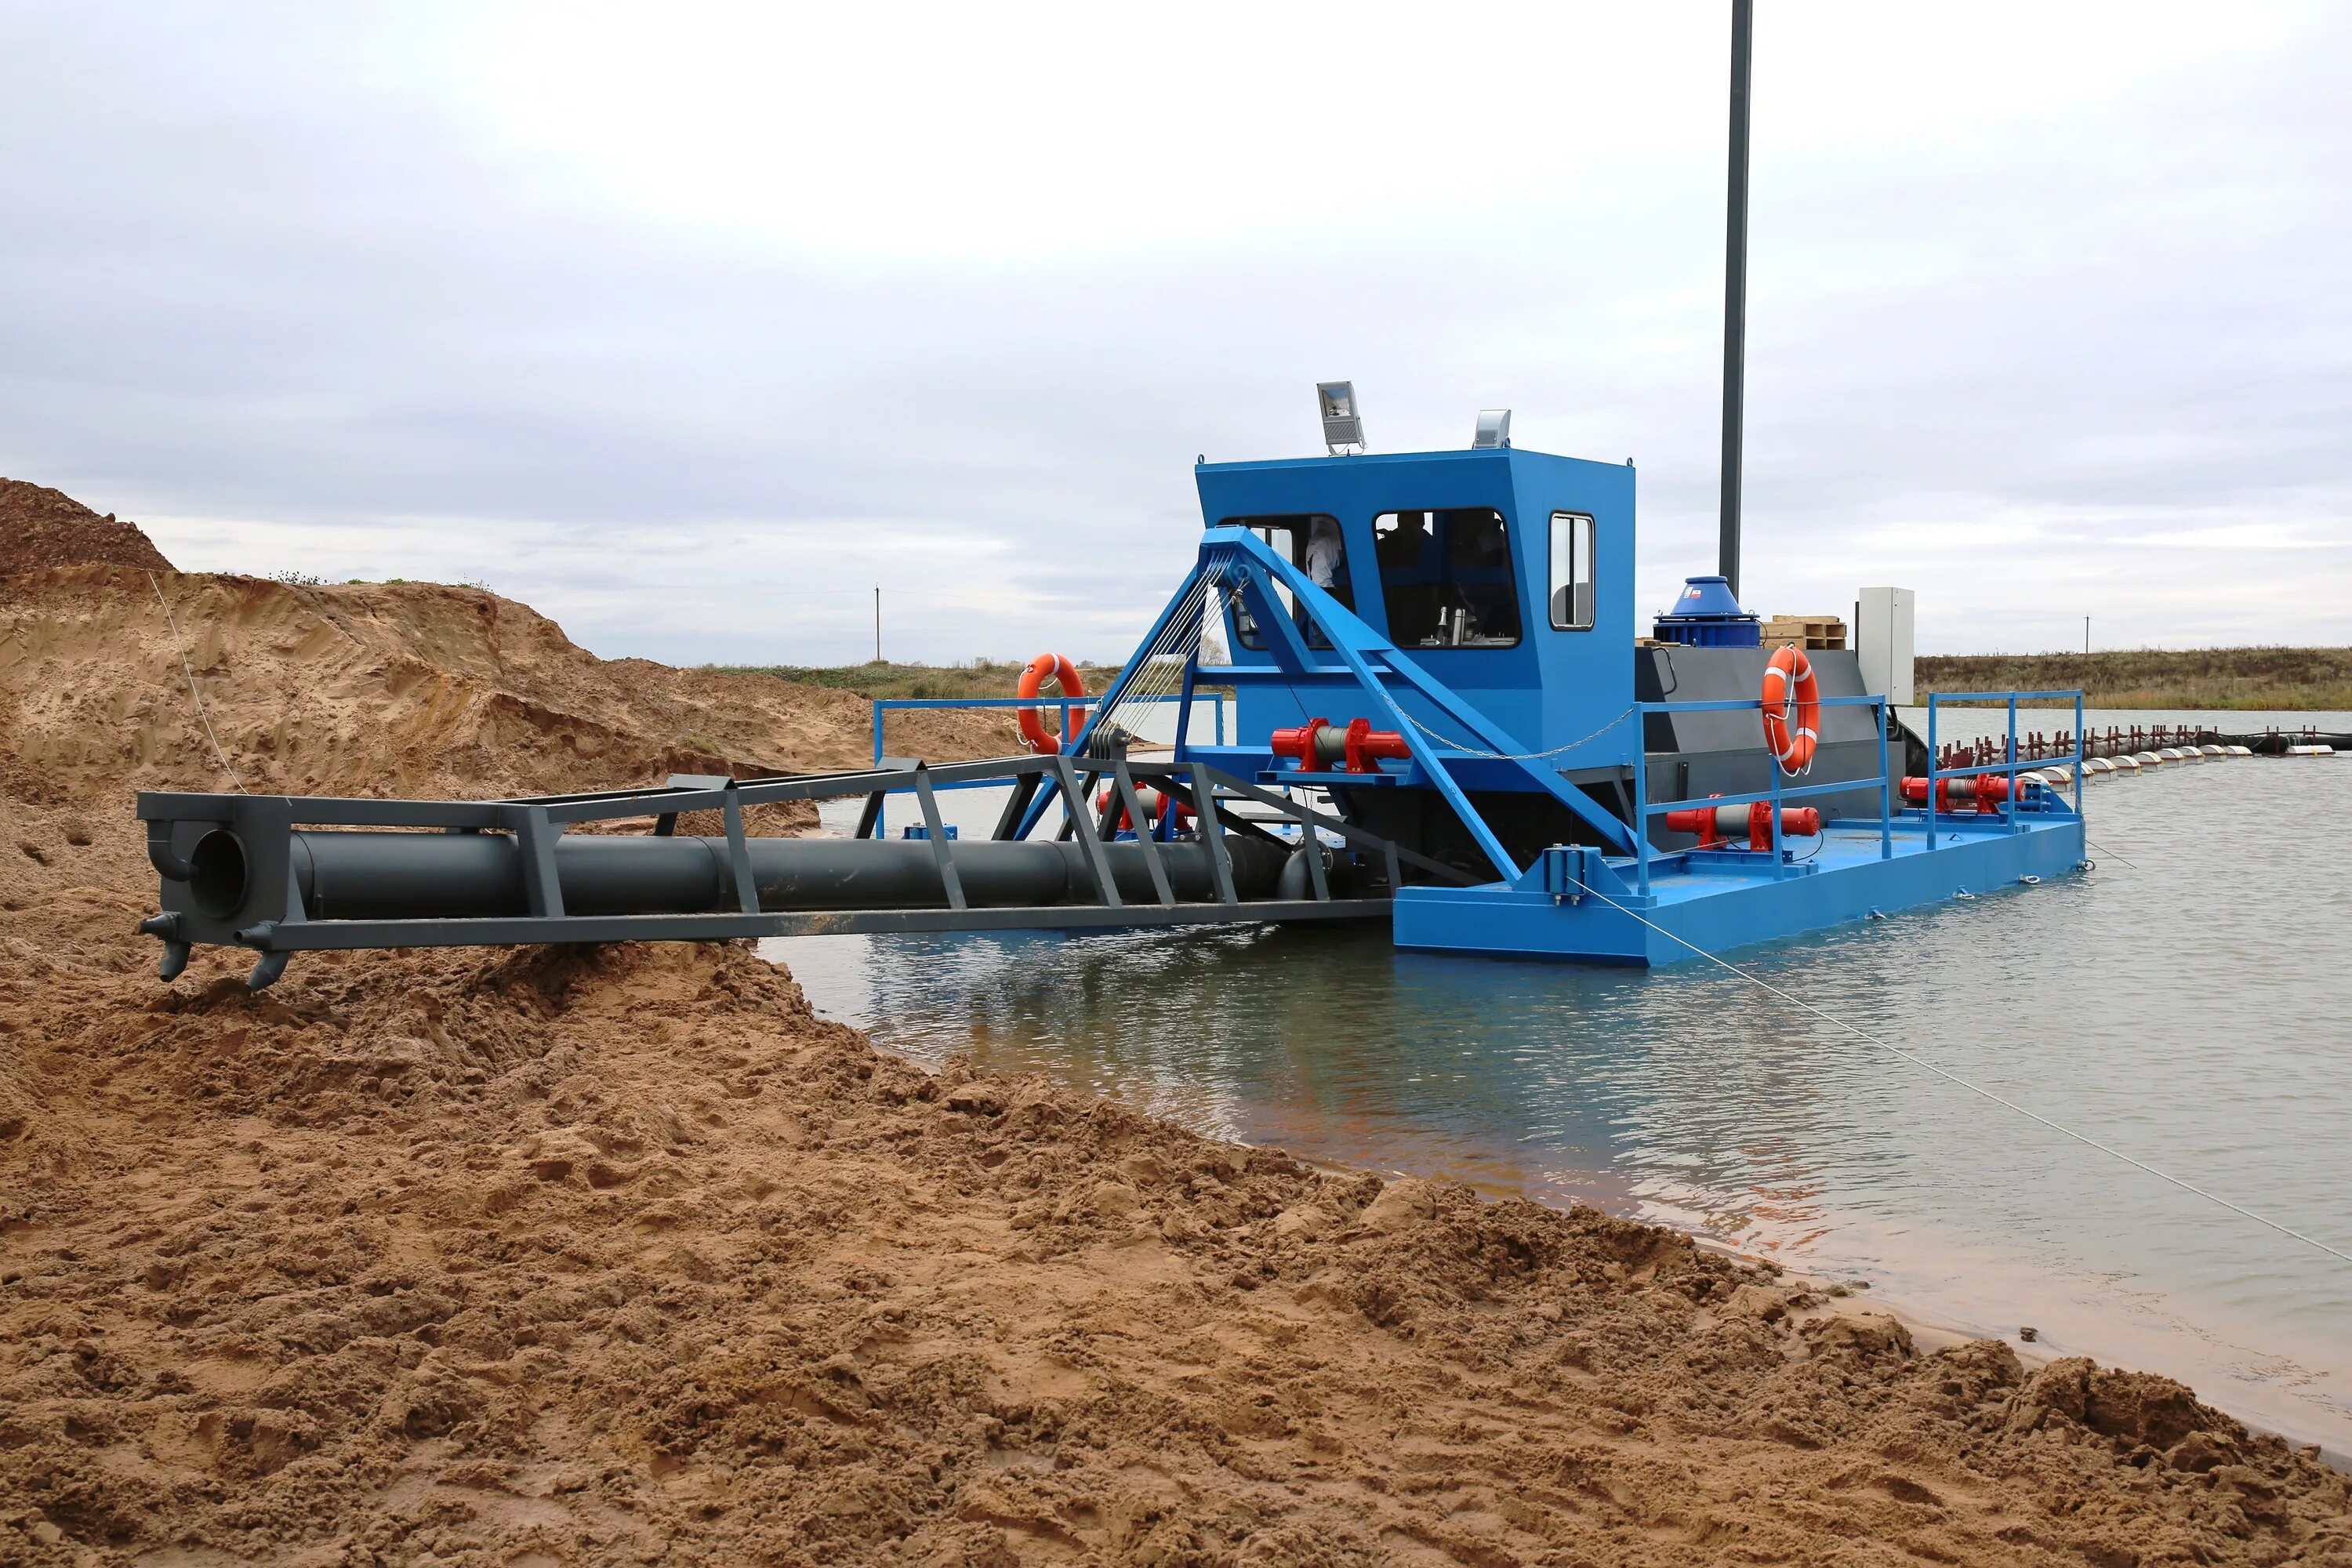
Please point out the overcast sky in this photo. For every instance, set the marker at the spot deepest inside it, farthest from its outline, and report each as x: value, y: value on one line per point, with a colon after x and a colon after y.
x: 689, y: 325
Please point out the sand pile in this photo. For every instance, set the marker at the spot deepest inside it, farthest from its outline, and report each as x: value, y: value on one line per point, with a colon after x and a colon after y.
x: 385, y: 688
x: 623, y: 1256
x: 40, y: 528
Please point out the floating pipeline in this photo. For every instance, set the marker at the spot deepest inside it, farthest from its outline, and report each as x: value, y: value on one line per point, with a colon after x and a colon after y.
x: 2138, y: 742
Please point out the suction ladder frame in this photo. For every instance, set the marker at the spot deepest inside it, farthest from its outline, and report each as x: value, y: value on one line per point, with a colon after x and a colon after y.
x: 275, y: 923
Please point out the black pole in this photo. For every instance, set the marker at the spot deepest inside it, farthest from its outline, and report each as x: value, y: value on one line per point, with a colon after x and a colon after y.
x: 1735, y: 292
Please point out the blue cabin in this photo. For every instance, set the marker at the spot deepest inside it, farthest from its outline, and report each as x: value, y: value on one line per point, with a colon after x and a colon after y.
x: 1443, y: 648
x: 1507, y: 574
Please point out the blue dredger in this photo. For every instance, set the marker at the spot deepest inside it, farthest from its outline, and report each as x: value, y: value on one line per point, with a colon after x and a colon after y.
x: 1445, y: 717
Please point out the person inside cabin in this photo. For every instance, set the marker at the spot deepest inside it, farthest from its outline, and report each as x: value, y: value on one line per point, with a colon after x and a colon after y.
x: 1478, y: 562
x: 1325, y: 560
x: 1400, y: 547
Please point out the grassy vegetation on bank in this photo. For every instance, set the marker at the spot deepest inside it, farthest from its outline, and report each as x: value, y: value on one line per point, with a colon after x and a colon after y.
x: 981, y: 678
x: 2284, y: 679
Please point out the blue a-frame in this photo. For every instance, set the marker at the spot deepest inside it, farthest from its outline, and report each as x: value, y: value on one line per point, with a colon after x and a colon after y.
x: 1542, y: 716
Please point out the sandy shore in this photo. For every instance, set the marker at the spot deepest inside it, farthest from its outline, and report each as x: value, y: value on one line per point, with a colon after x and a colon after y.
x: 626, y: 1256
x: 623, y: 1256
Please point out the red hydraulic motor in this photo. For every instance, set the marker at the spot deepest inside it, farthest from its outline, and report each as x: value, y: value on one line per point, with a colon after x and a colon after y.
x: 1714, y: 824
x: 1985, y: 792
x: 1320, y: 746
x: 1156, y: 804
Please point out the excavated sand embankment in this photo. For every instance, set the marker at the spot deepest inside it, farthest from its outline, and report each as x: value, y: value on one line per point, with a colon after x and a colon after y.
x: 624, y: 1255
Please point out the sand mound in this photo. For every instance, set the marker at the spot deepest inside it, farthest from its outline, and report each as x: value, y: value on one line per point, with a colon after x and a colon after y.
x: 40, y: 528
x: 382, y: 689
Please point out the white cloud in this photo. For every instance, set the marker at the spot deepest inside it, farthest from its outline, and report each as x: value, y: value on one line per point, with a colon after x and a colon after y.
x: 684, y: 325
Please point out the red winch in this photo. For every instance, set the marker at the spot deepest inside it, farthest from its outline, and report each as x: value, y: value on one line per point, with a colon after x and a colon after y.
x: 1714, y: 824
x: 1984, y: 790
x: 1156, y: 805
x: 1320, y: 746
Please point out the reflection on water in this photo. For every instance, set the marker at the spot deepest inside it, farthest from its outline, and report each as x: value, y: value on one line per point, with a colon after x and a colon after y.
x: 2187, y: 1008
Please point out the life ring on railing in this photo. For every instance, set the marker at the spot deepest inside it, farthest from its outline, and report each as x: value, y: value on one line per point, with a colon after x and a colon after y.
x: 1791, y: 692
x: 1034, y: 733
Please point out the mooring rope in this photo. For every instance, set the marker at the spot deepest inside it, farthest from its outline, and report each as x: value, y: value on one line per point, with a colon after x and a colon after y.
x: 180, y: 646
x: 1998, y: 1100
x: 2102, y: 849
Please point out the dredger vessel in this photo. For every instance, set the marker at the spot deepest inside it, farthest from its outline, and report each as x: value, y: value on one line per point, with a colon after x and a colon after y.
x: 1446, y: 717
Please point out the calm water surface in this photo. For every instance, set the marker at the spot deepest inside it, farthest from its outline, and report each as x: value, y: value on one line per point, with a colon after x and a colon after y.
x: 2187, y: 1002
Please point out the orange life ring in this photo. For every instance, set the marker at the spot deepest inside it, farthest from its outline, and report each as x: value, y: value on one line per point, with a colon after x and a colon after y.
x: 1790, y: 692
x: 1038, y: 738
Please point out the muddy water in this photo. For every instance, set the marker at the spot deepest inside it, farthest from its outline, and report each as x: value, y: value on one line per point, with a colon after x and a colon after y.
x: 2186, y: 1002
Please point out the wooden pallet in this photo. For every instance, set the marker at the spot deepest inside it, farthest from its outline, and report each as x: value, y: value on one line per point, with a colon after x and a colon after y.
x: 1809, y: 632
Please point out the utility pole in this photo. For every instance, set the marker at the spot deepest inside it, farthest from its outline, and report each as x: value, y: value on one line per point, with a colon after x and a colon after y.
x: 2086, y: 633
x: 1735, y: 291
x: 877, y: 623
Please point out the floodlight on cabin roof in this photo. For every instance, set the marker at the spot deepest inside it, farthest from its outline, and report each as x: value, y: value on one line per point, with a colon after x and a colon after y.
x: 1342, y: 425
x: 1493, y: 428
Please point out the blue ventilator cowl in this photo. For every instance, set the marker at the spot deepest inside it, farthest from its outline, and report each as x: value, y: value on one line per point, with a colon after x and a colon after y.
x: 1706, y: 616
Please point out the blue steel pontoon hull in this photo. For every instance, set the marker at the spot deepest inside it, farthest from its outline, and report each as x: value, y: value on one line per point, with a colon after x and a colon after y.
x: 1597, y: 915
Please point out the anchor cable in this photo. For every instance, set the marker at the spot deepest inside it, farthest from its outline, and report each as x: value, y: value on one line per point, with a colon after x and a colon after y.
x: 1979, y: 1089
x: 181, y: 647
x: 2105, y: 850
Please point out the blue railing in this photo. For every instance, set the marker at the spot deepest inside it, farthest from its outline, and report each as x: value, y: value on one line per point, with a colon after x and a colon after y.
x: 2011, y: 768
x: 883, y: 705
x: 1778, y: 791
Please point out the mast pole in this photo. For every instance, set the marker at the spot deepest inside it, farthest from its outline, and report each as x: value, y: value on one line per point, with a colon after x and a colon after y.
x: 1735, y: 292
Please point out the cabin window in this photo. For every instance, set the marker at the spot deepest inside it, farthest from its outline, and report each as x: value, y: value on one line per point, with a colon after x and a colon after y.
x: 1310, y: 543
x: 1446, y: 578
x: 1571, y: 572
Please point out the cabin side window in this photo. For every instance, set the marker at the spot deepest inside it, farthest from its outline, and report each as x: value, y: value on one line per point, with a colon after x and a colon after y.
x: 1310, y: 543
x: 1571, y: 572
x: 1446, y: 578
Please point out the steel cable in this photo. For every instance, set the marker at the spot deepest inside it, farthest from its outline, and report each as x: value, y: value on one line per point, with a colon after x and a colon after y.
x: 180, y: 646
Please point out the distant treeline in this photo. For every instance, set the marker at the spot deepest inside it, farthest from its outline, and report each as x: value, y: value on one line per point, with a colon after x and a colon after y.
x: 2296, y: 679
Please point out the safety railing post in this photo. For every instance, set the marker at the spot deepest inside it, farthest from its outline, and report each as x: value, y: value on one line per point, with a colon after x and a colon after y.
x: 1642, y: 803
x: 2009, y: 801
x: 1885, y: 785
x: 1935, y: 768
x: 2078, y: 756
x: 1772, y: 765
x: 880, y: 813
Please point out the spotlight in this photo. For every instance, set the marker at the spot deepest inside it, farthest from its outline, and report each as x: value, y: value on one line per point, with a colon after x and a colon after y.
x: 1343, y: 425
